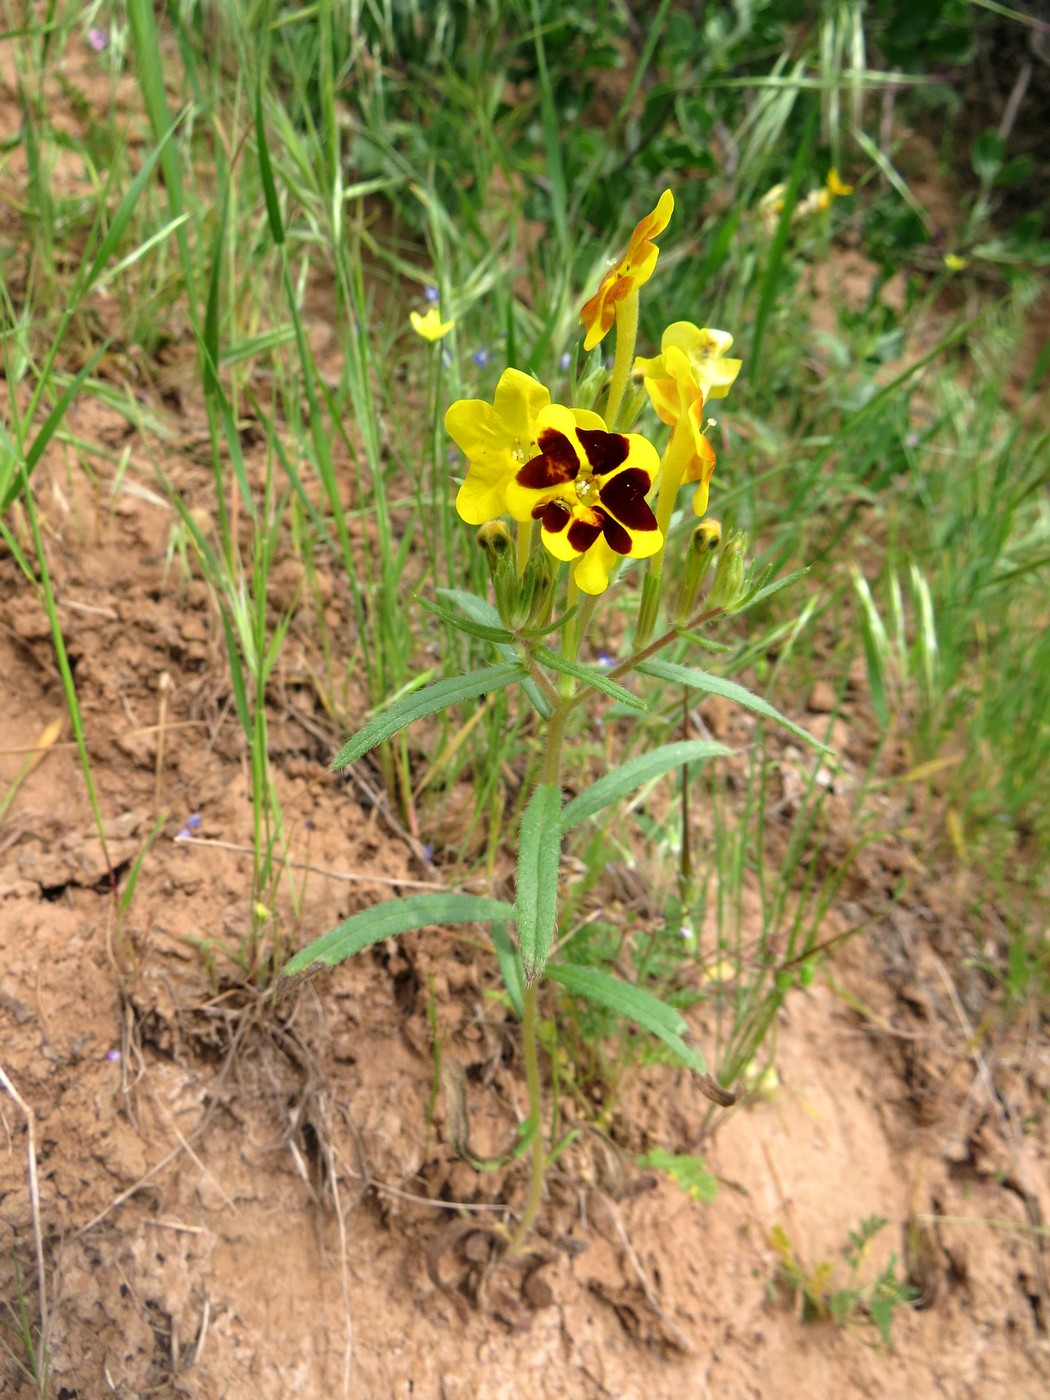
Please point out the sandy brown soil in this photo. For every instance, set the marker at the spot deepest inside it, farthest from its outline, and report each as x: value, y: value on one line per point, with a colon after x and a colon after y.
x: 242, y: 1199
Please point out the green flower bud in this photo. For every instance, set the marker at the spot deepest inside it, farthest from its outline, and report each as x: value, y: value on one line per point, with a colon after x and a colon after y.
x: 495, y: 539
x: 705, y: 540
x: 730, y: 581
x: 537, y: 590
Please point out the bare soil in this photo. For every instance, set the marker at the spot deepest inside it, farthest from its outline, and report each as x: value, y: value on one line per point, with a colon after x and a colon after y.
x: 248, y: 1198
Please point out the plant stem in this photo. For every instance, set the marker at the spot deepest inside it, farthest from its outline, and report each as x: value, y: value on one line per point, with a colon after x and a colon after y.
x: 532, y: 1079
x: 626, y: 335
x: 530, y: 1013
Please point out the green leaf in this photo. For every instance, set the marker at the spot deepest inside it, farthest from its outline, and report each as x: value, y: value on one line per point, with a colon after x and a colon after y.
x: 589, y: 674
x: 510, y: 967
x: 480, y: 630
x: 539, y: 851
x: 388, y: 920
x: 427, y: 701
x: 634, y: 1003
x: 481, y: 611
x: 634, y: 773
x: 690, y: 1173
x: 766, y: 590
x: 729, y: 690
x: 273, y: 205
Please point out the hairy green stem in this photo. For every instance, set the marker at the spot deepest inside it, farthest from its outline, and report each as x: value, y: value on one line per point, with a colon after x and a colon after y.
x: 529, y: 1020
x: 530, y: 1012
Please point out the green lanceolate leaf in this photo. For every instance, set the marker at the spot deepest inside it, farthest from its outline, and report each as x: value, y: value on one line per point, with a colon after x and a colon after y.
x: 510, y: 967
x: 634, y: 773
x: 483, y: 612
x: 427, y: 701
x: 388, y: 920
x: 539, y: 851
x: 634, y: 1003
x: 480, y: 630
x: 589, y: 674
x: 730, y: 690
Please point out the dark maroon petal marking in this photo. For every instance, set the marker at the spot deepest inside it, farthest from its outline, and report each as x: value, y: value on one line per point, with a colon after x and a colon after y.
x: 605, y: 451
x: 625, y: 497
x: 554, y: 516
x: 582, y: 533
x: 616, y: 537
x: 556, y: 464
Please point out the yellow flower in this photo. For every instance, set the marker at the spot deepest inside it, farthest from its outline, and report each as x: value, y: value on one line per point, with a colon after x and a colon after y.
x: 496, y: 439
x: 835, y: 186
x: 634, y: 268
x: 587, y: 488
x: 705, y: 351
x: 954, y: 263
x: 678, y: 399
x: 430, y: 326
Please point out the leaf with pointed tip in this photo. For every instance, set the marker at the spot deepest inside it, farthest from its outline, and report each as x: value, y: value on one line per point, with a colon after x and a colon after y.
x: 388, y: 920
x: 634, y: 773
x: 636, y: 1004
x: 729, y: 690
x: 427, y: 701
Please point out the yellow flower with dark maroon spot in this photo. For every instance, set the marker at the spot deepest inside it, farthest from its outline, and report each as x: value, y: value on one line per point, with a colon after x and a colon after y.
x: 587, y: 488
x: 634, y: 268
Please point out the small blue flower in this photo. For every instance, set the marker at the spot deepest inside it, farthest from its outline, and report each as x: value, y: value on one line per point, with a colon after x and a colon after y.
x: 481, y: 357
x: 432, y: 295
x: 565, y: 362
x: 189, y: 826
x: 428, y: 852
x: 605, y: 661
x: 113, y: 1056
x: 607, y: 361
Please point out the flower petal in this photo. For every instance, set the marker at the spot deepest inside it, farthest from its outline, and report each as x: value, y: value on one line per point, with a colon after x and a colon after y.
x: 623, y: 496
x: 591, y: 572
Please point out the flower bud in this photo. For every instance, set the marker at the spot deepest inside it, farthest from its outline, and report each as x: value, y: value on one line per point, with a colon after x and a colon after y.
x: 536, y: 591
x: 702, y: 546
x: 495, y: 539
x: 729, y: 585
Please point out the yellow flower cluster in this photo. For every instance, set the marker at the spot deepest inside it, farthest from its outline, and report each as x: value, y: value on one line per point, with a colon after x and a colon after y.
x: 598, y: 493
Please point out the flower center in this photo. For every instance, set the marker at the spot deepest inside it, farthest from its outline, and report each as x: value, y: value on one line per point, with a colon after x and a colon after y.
x: 587, y: 488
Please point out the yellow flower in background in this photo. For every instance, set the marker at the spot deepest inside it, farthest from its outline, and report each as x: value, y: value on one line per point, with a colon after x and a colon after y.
x: 431, y: 326
x: 634, y: 268
x: 954, y: 263
x: 497, y: 439
x: 771, y: 205
x: 705, y: 351
x: 587, y: 488
x: 834, y: 185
